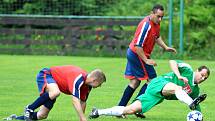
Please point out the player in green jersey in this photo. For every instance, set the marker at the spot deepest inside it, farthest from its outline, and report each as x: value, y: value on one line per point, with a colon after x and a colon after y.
x: 180, y: 84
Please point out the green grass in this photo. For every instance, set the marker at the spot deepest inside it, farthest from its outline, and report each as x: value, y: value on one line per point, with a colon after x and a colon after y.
x: 18, y: 88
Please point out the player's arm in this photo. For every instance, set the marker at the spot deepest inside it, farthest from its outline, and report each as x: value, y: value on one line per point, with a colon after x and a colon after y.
x: 161, y: 43
x: 139, y: 45
x: 78, y: 107
x: 83, y: 105
x: 141, y: 54
x: 174, y: 67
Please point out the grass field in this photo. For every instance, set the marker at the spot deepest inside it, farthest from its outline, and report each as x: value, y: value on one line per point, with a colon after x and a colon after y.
x: 18, y: 88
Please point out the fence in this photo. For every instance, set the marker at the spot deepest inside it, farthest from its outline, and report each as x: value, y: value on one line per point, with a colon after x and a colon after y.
x: 66, y: 36
x: 49, y: 29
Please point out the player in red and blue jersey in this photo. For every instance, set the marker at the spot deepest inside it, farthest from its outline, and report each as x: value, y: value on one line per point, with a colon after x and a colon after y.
x: 70, y: 80
x: 139, y: 65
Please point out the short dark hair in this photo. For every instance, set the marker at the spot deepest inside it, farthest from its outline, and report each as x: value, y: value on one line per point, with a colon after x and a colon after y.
x: 156, y: 7
x: 204, y: 67
x: 99, y: 75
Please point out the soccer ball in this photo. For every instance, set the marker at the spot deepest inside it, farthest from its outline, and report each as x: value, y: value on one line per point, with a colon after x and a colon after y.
x: 194, y: 116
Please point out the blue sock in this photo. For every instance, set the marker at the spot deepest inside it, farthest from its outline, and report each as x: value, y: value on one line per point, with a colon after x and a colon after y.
x: 49, y: 104
x: 20, y: 118
x: 126, y: 96
x: 142, y: 90
x: 40, y: 101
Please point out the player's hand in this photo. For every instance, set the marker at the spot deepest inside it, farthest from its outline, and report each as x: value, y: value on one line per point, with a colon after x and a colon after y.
x: 151, y: 62
x: 170, y: 49
x: 184, y: 79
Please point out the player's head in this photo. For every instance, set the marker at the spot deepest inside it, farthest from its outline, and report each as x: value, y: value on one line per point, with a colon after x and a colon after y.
x: 157, y: 13
x: 95, y: 78
x: 201, y: 74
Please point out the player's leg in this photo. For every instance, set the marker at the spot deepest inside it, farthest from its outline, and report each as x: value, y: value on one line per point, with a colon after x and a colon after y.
x: 44, y: 110
x: 134, y: 72
x: 128, y: 92
x: 48, y: 89
x: 53, y: 90
x: 117, y: 110
x: 42, y: 113
x: 171, y: 88
x: 45, y: 99
x: 133, y: 108
x: 151, y: 75
x: 143, y: 103
x: 150, y: 98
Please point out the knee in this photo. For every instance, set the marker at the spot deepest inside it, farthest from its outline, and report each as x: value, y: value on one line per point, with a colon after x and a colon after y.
x: 133, y: 111
x: 54, y: 94
x: 130, y: 110
x: 134, y: 83
x: 177, y: 88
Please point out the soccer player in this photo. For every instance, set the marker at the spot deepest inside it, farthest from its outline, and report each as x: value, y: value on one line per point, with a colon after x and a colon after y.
x: 180, y: 84
x: 70, y: 80
x: 139, y: 64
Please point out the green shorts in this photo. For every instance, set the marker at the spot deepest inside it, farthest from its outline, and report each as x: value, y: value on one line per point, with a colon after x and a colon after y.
x: 152, y: 96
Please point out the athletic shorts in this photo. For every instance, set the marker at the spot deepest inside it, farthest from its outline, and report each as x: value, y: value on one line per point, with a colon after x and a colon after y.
x: 43, y: 78
x: 153, y: 95
x: 136, y: 68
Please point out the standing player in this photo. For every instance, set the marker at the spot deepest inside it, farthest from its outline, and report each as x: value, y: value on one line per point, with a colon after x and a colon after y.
x: 70, y: 80
x: 139, y: 65
x: 180, y: 84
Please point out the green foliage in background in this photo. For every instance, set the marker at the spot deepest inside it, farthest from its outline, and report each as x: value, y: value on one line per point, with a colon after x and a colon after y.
x: 55, y: 7
x: 199, y: 26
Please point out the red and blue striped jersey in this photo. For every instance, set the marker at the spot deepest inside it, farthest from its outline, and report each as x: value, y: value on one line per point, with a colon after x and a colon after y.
x: 146, y: 34
x: 71, y: 80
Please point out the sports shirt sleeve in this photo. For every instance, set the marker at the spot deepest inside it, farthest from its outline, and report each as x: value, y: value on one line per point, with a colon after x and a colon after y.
x: 184, y: 67
x: 143, y: 34
x: 78, y: 82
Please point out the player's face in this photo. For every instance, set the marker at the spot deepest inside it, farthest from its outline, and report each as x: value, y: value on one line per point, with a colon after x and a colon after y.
x: 158, y: 16
x: 96, y: 84
x: 200, y: 76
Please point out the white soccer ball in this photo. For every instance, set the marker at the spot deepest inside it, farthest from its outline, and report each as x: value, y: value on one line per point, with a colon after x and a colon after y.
x: 194, y: 116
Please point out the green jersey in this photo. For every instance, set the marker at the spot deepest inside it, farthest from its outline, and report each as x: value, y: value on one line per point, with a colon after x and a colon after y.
x: 153, y: 95
x: 185, y: 71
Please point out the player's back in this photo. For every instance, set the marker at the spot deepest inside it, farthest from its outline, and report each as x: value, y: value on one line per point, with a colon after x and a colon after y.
x: 66, y: 75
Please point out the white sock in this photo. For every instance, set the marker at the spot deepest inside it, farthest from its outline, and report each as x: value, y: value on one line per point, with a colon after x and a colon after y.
x: 183, y: 96
x: 114, y: 111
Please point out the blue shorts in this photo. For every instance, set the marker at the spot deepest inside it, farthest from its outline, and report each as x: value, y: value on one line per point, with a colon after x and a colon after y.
x: 136, y: 68
x: 43, y: 78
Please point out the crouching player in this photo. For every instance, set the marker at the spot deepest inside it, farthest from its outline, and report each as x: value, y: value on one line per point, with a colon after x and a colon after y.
x: 68, y: 79
x: 180, y: 84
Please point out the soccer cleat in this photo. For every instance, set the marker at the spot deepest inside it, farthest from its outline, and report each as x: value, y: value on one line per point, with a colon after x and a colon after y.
x: 94, y: 113
x: 27, y: 114
x: 197, y: 100
x: 140, y: 115
x: 11, y: 117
